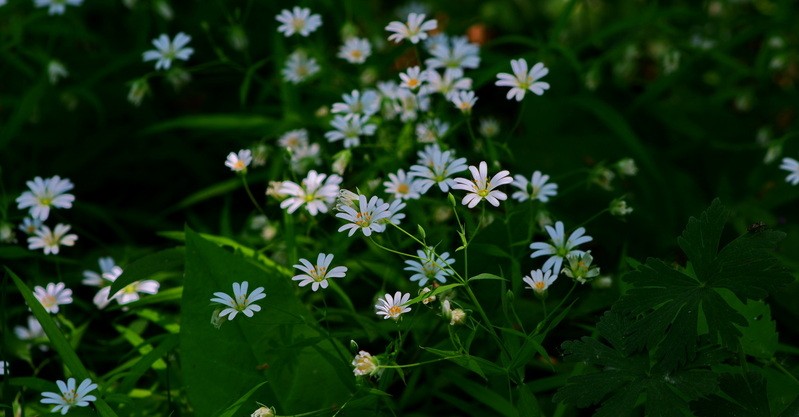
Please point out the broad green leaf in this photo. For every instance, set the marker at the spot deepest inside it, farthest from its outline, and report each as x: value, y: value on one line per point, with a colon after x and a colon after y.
x: 670, y: 304
x: 623, y: 376
x: 59, y: 342
x: 759, y: 337
x: 280, y: 344
x: 745, y: 395
x: 146, y: 267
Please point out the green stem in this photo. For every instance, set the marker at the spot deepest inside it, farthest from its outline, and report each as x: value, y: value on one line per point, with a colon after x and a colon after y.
x: 518, y: 118
x: 249, y: 193
x: 594, y: 217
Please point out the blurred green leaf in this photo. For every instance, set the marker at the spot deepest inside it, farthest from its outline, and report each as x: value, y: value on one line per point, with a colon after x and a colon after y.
x: 148, y: 266
x: 59, y: 342
x: 210, y: 122
x: 280, y: 344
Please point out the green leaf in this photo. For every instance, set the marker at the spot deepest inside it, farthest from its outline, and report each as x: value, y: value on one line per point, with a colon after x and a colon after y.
x: 623, y: 376
x: 475, y: 364
x: 146, y: 267
x: 527, y: 404
x: 759, y: 338
x: 488, y: 397
x: 59, y: 342
x: 147, y: 361
x: 745, y: 396
x: 231, y: 411
x: 670, y: 304
x: 210, y: 122
x: 485, y: 276
x: 281, y: 344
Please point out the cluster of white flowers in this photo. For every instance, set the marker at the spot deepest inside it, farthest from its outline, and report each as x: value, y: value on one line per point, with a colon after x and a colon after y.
x: 44, y: 194
x: 109, y: 272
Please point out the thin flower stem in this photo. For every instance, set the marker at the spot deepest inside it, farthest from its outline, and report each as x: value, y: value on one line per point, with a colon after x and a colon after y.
x: 544, y: 306
x: 392, y: 250
x: 412, y: 365
x: 594, y: 217
x: 518, y: 118
x: 249, y: 193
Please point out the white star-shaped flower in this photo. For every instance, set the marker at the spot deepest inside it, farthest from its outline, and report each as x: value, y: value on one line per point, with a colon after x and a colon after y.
x: 70, y: 396
x: 53, y: 296
x: 165, y: 50
x: 560, y: 247
x: 481, y: 188
x: 51, y: 240
x: 392, y: 307
x: 523, y: 80
x: 45, y: 194
x: 239, y: 162
x: 298, y: 20
x: 241, y: 302
x: 414, y: 30
x: 317, y: 275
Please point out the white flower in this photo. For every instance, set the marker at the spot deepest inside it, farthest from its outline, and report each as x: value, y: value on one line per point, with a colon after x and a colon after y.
x: 395, y: 215
x: 560, y: 247
x: 303, y: 155
x: 435, y: 167
x: 365, y: 364
x: 56, y: 71
x: 454, y: 52
x: 131, y: 292
x: 355, y: 103
x: 412, y: 78
x: 522, y: 80
x: 355, y: 50
x: 299, y: 67
x: 4, y: 364
x: 93, y: 278
x: 402, y: 186
x: 489, y: 127
x: 464, y: 101
x: 407, y: 103
x: 239, y: 162
x: 53, y: 296
x: 50, y: 240
x: 791, y: 165
x: 430, y: 266
x: 454, y: 315
x: 392, y: 307
x: 293, y: 139
x: 31, y: 333
x: 30, y: 225
x: 70, y: 396
x: 316, y: 193
x: 57, y: 6
x: 299, y: 20
x: 165, y: 50
x: 430, y: 131
x: 449, y: 84
x: 535, y: 189
x: 481, y: 187
x: 539, y: 280
x: 366, y: 218
x: 44, y: 194
x: 414, y: 30
x: 350, y: 130
x: 240, y: 302
x: 7, y: 233
x: 317, y: 275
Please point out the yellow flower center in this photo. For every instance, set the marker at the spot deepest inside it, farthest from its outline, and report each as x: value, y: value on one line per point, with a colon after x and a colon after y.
x: 363, y: 219
x: 403, y: 189
x: 395, y: 311
x: 48, y: 301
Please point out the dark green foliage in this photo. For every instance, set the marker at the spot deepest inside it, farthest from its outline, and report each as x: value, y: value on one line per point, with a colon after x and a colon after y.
x: 675, y: 323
